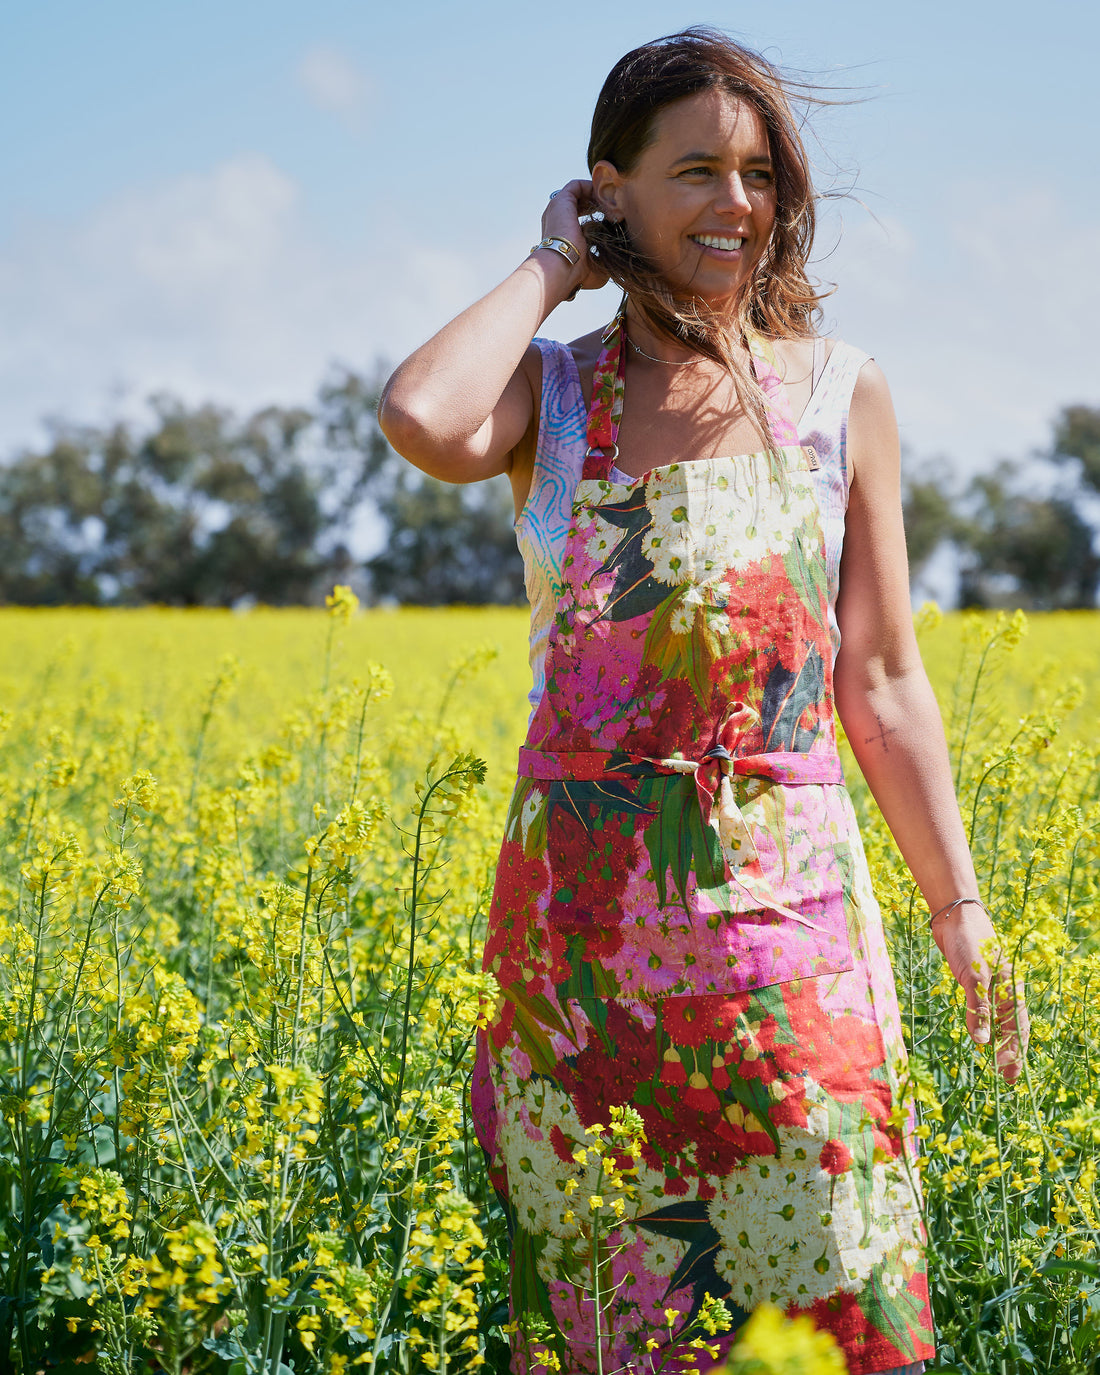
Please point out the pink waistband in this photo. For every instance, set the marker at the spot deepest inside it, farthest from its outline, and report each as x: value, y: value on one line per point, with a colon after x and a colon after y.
x: 776, y: 765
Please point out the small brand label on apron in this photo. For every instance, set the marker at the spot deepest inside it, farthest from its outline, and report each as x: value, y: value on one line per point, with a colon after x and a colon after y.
x: 811, y: 457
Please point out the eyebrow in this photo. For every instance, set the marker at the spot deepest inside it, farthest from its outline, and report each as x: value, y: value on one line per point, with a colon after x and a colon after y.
x: 714, y: 157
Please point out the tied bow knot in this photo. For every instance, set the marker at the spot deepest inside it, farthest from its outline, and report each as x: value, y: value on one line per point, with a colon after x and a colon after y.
x: 713, y: 780
x: 713, y: 775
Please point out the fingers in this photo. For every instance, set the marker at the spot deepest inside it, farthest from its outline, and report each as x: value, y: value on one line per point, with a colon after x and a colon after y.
x: 1006, y: 1012
x: 977, y: 1014
x: 1013, y: 1027
x: 564, y: 209
x: 562, y: 219
x: 995, y: 1009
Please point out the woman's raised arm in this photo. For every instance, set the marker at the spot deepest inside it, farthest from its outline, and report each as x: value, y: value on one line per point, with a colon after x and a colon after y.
x: 459, y: 405
x: 892, y: 721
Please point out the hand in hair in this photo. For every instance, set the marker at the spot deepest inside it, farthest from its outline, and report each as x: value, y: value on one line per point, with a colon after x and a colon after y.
x: 562, y: 219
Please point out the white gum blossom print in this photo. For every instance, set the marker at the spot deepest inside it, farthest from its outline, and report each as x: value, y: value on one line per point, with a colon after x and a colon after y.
x: 703, y: 530
x: 777, y: 1220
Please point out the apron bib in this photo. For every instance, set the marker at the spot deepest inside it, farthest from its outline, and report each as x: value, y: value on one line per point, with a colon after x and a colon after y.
x: 689, y: 687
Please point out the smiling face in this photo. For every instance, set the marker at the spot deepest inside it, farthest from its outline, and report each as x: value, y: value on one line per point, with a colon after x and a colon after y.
x: 700, y: 200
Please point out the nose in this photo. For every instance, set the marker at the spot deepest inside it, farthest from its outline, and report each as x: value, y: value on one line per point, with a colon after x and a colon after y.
x: 733, y: 197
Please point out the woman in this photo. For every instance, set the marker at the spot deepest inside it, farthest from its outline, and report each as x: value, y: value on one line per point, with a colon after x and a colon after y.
x: 683, y: 922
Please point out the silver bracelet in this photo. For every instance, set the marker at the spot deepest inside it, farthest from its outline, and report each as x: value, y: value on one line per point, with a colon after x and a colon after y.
x: 569, y: 251
x: 959, y: 902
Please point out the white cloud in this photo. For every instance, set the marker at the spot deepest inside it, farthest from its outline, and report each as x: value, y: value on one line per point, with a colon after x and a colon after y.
x: 333, y: 82
x: 214, y: 286
x: 984, y: 331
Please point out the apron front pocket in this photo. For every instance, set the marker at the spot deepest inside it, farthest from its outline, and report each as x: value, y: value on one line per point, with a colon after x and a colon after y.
x: 642, y: 904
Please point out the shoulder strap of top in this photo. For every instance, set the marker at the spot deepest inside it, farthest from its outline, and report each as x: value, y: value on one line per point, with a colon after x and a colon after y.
x: 831, y: 396
x: 559, y: 448
x: 562, y: 398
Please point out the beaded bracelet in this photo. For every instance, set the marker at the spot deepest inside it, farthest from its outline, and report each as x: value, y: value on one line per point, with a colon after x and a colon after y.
x: 959, y: 902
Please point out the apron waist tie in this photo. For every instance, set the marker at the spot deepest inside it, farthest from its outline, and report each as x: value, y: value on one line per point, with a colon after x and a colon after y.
x: 712, y: 780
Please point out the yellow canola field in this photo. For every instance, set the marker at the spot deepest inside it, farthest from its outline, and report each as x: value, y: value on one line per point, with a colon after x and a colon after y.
x: 246, y: 865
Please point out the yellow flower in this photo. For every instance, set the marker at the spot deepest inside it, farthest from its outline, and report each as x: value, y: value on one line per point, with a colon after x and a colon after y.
x: 342, y: 602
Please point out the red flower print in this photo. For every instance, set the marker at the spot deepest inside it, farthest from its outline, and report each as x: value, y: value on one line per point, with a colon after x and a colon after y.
x: 790, y: 1110
x: 846, y: 1059
x: 672, y: 1070
x: 674, y: 711
x: 811, y: 1025
x: 699, y: 1095
x: 752, y: 1050
x: 717, y: 1155
x: 664, y: 1126
x: 723, y: 1011
x: 500, y: 1030
x: 519, y: 884
x: 611, y: 1076
x: 563, y: 1147
x: 836, y: 1158
x: 685, y: 1021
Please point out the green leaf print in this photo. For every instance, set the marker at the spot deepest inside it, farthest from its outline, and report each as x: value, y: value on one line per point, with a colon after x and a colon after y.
x: 680, y: 653
x: 688, y: 1221
x: 786, y: 697
x: 519, y: 797
x: 898, y: 1315
x: 634, y: 599
x: 588, y: 981
x: 530, y: 1296
x: 752, y: 1094
x: 575, y: 796
x: 679, y: 842
x: 804, y: 563
x: 635, y: 592
x: 532, y: 1015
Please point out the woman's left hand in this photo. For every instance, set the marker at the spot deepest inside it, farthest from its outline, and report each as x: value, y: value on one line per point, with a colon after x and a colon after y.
x: 969, y: 944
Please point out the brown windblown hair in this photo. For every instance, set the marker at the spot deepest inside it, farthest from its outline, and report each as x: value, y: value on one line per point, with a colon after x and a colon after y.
x: 779, y: 302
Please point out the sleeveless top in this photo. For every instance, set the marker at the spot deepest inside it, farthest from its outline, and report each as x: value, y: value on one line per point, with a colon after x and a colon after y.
x: 542, y: 525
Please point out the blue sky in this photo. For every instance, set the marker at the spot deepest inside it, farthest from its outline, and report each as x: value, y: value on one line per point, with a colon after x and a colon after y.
x: 225, y: 200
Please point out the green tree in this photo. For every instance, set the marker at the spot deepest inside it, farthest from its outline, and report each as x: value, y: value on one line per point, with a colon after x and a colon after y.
x: 444, y: 543
x: 199, y: 510
x: 1029, y: 551
x: 1077, y: 436
x: 930, y: 511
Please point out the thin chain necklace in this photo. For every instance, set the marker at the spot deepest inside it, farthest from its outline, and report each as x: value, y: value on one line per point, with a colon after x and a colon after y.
x: 668, y: 362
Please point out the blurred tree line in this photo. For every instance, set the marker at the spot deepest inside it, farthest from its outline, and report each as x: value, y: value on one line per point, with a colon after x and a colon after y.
x: 200, y: 508
x: 1015, y: 546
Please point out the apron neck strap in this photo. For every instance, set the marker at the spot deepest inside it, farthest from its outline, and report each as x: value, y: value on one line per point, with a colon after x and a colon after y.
x: 606, y: 408
x: 608, y: 388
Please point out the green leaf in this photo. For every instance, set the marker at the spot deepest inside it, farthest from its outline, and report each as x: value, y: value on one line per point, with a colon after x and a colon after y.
x: 686, y: 654
x: 807, y: 575
x: 668, y: 834
x: 786, y: 697
x: 576, y: 796
x: 1065, y: 1267
x: 533, y: 1014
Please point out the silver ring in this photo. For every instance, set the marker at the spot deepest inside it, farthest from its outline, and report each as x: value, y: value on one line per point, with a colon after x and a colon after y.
x: 553, y: 194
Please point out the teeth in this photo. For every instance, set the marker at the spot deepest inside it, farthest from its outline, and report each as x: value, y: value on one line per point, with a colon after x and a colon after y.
x: 713, y: 241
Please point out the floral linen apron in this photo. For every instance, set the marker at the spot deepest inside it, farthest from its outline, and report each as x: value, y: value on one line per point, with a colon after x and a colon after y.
x: 683, y: 923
